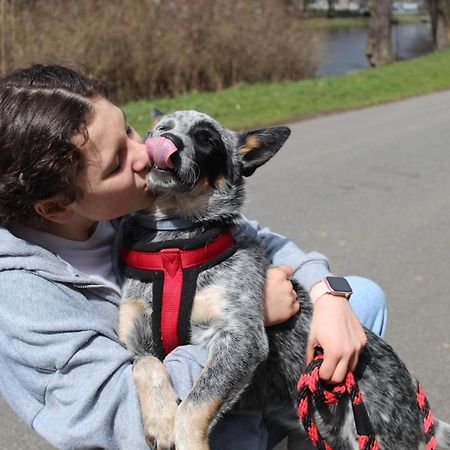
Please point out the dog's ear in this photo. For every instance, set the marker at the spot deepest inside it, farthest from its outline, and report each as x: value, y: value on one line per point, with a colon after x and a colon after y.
x: 156, y: 116
x: 256, y: 147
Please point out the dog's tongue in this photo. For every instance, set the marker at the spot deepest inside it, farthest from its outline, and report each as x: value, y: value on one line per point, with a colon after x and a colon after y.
x: 159, y: 150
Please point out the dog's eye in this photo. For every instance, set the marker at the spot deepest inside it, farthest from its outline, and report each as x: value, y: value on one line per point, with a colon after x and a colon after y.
x: 164, y: 127
x: 204, y: 137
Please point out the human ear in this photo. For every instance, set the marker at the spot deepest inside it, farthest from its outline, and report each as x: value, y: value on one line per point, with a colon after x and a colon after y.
x: 54, y: 210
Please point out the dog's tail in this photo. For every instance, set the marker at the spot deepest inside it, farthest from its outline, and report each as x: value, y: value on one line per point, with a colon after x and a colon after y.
x: 442, y: 435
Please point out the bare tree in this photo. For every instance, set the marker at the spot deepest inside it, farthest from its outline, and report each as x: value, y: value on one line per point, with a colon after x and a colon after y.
x: 379, y: 47
x: 440, y: 22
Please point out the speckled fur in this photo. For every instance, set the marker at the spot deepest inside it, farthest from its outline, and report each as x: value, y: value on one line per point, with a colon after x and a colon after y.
x: 250, y: 366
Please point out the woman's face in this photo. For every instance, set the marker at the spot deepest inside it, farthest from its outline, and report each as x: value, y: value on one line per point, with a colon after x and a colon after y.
x: 113, y: 179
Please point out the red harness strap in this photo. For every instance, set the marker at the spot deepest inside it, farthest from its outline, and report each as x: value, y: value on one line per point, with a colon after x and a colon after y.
x: 172, y: 262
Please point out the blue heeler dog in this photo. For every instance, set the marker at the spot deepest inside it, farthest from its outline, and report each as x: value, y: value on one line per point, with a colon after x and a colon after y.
x: 205, y: 287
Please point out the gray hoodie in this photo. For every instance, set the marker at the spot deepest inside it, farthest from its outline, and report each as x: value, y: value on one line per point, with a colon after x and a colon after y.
x: 63, y: 369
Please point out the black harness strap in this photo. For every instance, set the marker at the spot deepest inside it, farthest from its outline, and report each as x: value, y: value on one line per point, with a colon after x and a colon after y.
x: 166, y: 264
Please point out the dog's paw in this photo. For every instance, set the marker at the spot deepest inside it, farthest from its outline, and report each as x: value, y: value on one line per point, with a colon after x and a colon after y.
x: 159, y: 430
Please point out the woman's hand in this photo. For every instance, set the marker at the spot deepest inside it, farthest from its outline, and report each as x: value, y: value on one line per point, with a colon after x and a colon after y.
x: 337, y: 330
x: 280, y: 300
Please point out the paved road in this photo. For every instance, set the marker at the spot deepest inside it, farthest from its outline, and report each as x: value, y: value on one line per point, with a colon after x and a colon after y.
x: 371, y: 189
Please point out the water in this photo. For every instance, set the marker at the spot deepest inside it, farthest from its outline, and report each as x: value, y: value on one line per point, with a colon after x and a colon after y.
x: 343, y: 49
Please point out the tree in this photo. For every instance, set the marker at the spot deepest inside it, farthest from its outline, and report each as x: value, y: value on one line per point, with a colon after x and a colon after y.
x: 331, y: 8
x: 440, y: 22
x: 379, y: 47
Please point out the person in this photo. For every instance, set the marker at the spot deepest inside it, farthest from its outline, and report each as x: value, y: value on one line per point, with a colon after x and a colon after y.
x: 70, y: 168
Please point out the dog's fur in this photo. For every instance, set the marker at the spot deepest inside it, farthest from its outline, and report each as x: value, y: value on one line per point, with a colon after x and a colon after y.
x: 248, y: 366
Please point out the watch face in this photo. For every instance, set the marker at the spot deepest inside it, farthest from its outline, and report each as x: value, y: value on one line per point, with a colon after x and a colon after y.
x: 339, y: 284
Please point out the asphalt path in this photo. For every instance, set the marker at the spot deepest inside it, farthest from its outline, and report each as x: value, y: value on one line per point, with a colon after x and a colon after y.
x: 370, y: 189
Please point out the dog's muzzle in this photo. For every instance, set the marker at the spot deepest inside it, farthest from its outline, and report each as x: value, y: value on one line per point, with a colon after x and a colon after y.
x: 161, y: 148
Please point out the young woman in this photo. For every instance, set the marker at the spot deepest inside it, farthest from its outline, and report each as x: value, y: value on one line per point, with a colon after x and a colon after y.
x: 70, y: 166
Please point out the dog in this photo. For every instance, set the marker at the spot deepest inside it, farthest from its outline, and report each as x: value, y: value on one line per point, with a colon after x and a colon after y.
x: 197, y: 177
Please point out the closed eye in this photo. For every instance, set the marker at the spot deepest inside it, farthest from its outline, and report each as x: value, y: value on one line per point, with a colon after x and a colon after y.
x: 117, y: 167
x: 118, y: 160
x: 165, y: 126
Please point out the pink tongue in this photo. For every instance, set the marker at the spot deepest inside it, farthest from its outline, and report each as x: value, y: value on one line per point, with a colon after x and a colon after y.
x: 159, y: 150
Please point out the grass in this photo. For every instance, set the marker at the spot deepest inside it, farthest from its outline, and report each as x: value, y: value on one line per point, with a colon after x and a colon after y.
x: 250, y: 105
x: 325, y: 23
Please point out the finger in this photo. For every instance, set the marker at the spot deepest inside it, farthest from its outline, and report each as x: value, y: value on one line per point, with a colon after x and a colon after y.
x: 328, y: 367
x: 353, y: 362
x: 340, y: 372
x: 309, y: 352
x: 287, y: 270
x: 357, y: 353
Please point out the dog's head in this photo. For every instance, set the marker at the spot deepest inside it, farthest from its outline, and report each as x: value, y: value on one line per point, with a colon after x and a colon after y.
x: 197, y: 165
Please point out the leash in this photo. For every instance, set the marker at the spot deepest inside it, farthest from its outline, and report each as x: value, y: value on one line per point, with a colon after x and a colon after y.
x: 311, y: 391
x: 427, y: 418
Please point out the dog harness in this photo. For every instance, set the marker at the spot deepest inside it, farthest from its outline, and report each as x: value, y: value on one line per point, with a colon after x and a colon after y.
x: 173, y: 268
x: 311, y: 390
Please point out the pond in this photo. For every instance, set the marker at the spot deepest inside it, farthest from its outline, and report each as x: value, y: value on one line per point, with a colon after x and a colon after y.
x: 343, y: 49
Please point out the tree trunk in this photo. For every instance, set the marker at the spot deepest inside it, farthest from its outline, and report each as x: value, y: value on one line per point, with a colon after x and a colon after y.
x: 305, y: 5
x: 331, y: 10
x: 440, y: 22
x: 379, y: 47
x: 2, y: 37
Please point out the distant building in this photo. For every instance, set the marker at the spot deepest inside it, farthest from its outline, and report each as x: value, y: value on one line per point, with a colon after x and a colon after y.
x: 339, y: 5
x: 410, y: 6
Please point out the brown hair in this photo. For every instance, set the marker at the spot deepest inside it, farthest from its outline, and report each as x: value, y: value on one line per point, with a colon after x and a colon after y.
x: 41, y: 109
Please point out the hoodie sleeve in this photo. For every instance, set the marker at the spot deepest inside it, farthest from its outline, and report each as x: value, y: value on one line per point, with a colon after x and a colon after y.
x: 67, y: 376
x: 309, y: 268
x: 63, y: 371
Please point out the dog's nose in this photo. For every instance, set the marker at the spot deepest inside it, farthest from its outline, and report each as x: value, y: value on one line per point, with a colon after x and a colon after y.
x: 159, y: 150
x: 175, y: 139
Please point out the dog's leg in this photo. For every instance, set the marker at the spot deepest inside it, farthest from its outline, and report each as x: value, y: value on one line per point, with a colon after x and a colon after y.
x: 192, y: 423
x: 158, y: 401
x: 129, y: 311
x: 233, y: 360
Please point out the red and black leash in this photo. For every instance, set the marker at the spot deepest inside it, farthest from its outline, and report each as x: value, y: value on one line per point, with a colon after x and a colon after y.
x: 311, y: 391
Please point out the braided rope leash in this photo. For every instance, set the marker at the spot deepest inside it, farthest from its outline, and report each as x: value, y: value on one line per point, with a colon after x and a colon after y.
x: 427, y: 418
x: 311, y: 390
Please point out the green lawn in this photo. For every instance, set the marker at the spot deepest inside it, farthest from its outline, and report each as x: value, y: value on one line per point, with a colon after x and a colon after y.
x: 324, y: 23
x: 249, y: 105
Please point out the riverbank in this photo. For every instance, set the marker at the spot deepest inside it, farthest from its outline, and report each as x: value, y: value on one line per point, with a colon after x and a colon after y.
x: 259, y: 104
x: 326, y: 23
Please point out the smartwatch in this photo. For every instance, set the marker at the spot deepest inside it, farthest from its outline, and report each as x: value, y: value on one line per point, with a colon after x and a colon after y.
x: 336, y: 286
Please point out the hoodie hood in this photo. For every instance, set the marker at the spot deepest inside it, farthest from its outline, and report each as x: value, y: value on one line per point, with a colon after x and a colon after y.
x: 18, y: 254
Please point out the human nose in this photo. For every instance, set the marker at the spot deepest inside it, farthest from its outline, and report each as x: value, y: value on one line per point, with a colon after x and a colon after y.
x: 140, y: 157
